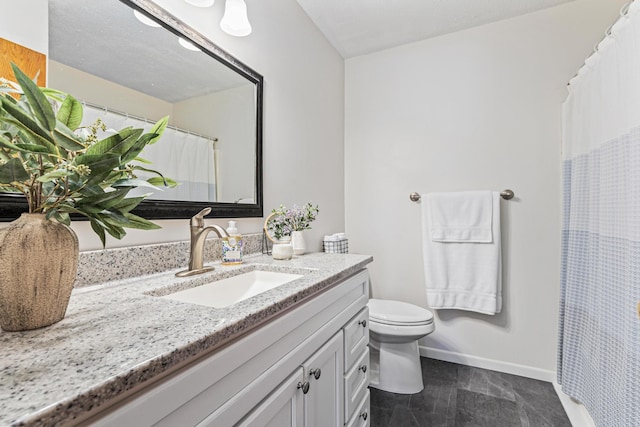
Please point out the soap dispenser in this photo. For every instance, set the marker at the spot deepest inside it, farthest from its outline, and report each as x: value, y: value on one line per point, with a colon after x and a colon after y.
x: 232, y: 246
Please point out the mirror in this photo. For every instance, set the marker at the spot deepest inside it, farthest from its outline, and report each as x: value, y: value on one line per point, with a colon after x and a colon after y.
x: 132, y: 74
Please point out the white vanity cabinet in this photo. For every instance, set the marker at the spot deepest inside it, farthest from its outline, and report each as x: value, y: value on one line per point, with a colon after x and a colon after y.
x: 356, y: 369
x: 361, y: 416
x: 323, y: 401
x: 284, y: 407
x: 260, y: 379
x: 310, y: 397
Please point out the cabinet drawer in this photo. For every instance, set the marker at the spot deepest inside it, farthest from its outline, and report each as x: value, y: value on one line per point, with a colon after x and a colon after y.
x: 356, y: 383
x: 361, y: 417
x: 356, y: 337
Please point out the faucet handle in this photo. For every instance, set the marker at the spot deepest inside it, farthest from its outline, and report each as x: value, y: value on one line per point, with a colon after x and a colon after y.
x: 198, y: 219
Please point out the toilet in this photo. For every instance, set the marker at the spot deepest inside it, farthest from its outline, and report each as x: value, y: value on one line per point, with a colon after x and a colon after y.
x: 394, y: 330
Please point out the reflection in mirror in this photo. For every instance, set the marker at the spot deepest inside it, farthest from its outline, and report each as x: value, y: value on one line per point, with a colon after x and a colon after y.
x: 131, y: 74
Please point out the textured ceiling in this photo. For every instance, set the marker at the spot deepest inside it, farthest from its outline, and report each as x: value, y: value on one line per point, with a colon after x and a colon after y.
x: 357, y: 27
x: 103, y: 38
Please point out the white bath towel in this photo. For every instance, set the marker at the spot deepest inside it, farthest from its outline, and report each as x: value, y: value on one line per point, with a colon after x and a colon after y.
x: 460, y: 217
x: 464, y: 275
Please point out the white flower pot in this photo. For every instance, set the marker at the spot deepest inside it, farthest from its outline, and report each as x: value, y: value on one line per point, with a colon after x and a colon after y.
x: 282, y: 249
x: 298, y: 242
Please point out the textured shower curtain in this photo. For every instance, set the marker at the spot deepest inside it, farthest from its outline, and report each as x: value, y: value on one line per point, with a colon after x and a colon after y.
x: 599, y: 357
x: 186, y: 158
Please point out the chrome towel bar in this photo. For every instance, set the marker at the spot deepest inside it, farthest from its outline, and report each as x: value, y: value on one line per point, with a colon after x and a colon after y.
x: 505, y: 194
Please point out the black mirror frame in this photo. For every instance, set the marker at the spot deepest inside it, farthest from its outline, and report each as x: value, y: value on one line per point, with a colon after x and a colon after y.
x: 13, y: 205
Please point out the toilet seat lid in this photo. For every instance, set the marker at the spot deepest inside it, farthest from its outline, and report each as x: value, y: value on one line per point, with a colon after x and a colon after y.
x: 399, y: 313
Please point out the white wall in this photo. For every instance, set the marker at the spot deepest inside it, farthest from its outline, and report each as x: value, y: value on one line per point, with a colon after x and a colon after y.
x: 477, y: 109
x: 26, y: 23
x: 228, y: 115
x: 95, y: 90
x: 303, y: 113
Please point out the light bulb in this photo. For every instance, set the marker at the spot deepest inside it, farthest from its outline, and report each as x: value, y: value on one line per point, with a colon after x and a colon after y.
x: 188, y: 45
x: 145, y: 19
x: 200, y: 3
x: 235, y: 21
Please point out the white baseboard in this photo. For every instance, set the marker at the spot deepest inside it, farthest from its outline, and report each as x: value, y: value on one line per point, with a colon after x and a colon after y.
x: 577, y: 413
x: 491, y: 364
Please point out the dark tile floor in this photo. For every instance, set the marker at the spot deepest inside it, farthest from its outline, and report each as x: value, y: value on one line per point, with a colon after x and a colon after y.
x: 462, y: 396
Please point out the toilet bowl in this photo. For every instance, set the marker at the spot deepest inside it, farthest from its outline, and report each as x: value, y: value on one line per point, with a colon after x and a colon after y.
x: 394, y: 330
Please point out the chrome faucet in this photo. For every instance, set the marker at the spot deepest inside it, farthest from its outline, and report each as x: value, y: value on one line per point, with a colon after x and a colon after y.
x: 198, y: 238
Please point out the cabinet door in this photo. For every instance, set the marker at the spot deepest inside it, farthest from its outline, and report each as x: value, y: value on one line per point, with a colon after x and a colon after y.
x: 283, y: 408
x: 323, y: 403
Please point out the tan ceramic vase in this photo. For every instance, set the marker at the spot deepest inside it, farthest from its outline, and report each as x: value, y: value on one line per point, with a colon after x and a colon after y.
x: 38, y: 265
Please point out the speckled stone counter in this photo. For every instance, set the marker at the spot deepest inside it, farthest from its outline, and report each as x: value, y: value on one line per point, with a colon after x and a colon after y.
x: 135, y: 261
x: 120, y: 335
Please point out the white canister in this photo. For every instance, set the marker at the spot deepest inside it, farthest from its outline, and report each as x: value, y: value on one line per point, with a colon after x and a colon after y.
x: 282, y: 249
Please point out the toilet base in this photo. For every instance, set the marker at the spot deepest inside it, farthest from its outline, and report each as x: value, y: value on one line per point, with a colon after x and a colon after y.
x: 397, y: 366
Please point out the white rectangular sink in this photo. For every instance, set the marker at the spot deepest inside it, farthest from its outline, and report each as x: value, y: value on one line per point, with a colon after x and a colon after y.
x: 225, y: 292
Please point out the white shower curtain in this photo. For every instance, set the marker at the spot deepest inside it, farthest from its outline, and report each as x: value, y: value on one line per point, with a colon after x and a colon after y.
x: 186, y: 158
x: 599, y: 351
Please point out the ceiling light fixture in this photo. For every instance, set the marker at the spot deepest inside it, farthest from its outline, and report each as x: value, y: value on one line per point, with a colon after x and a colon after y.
x: 235, y: 21
x: 145, y: 19
x: 200, y: 3
x: 188, y: 45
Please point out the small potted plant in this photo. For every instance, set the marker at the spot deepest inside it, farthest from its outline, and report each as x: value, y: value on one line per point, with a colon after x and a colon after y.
x: 61, y: 169
x: 287, y: 225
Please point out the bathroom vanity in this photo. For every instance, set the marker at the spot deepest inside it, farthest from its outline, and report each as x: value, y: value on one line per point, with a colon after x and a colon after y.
x: 126, y: 355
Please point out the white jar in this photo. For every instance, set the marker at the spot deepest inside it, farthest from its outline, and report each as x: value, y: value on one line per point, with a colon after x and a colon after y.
x: 282, y: 248
x: 298, y: 242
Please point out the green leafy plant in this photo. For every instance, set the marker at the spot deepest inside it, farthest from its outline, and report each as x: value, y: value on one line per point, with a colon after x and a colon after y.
x: 64, y: 169
x: 285, y: 220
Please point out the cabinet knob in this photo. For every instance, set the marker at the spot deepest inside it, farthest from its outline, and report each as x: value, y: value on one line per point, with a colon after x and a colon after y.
x: 304, y: 386
x: 363, y: 323
x: 363, y: 368
x: 364, y: 415
x: 316, y: 373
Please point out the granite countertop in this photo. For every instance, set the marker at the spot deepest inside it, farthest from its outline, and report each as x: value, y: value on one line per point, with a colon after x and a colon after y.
x: 119, y: 335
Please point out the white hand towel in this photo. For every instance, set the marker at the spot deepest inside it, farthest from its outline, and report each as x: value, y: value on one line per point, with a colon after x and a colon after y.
x: 460, y: 217
x: 463, y: 275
